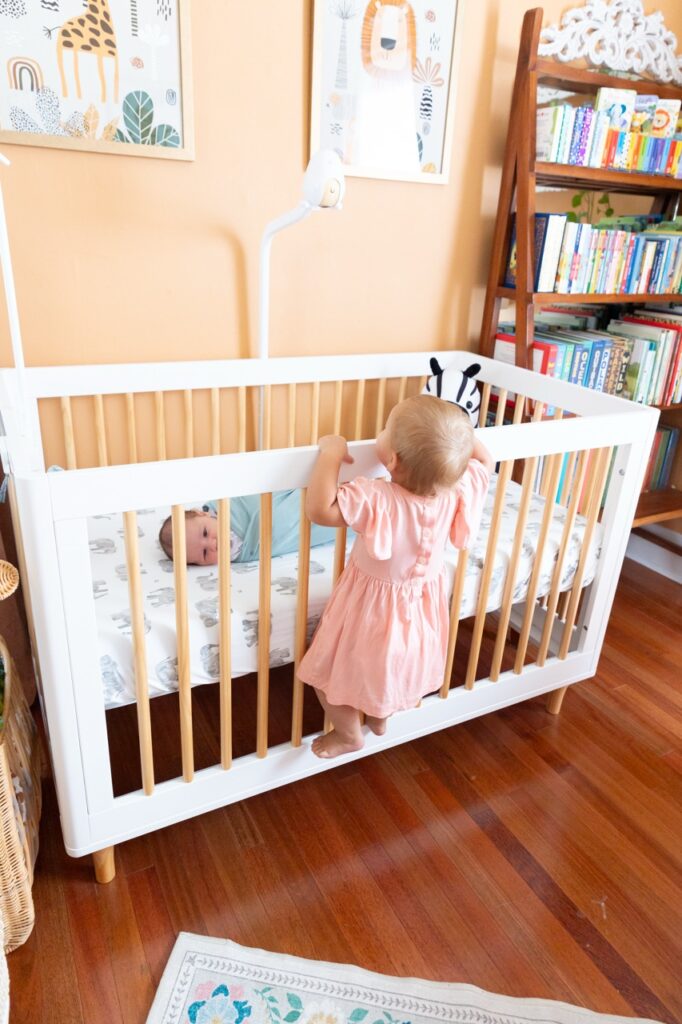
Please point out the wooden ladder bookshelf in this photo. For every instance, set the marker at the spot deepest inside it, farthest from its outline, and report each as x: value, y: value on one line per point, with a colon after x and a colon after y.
x: 521, y: 174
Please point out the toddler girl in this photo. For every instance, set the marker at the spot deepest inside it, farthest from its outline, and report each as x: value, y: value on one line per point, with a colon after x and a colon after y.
x: 382, y: 640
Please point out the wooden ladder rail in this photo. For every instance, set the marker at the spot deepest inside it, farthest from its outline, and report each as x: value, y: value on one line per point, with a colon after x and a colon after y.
x: 517, y: 182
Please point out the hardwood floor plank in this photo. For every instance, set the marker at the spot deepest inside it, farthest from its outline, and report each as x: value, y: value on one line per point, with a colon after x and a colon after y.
x: 153, y: 920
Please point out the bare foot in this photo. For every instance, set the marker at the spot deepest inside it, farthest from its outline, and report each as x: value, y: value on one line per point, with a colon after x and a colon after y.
x: 377, y: 725
x: 332, y: 745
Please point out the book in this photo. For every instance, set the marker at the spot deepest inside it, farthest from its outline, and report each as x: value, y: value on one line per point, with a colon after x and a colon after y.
x: 549, y: 230
x: 643, y: 114
x: 665, y: 118
x: 619, y: 105
x: 544, y: 132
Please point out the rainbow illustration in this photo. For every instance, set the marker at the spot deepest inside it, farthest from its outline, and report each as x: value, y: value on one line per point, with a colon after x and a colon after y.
x: 24, y: 73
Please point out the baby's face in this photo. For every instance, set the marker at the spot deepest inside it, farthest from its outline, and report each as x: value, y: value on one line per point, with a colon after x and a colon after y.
x: 201, y: 536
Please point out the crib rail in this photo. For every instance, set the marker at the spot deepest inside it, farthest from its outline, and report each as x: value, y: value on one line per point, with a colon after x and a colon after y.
x: 496, y: 656
x: 82, y: 417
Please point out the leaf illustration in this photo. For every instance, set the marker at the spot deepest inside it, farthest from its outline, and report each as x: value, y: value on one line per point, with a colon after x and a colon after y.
x: 119, y: 136
x: 109, y: 131
x: 164, y: 135
x: 138, y: 115
x: 91, y: 122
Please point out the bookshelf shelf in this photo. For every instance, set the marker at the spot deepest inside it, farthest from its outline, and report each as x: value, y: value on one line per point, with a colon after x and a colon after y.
x: 571, y: 176
x: 522, y: 174
x: 657, y: 506
x: 575, y: 79
x: 560, y: 298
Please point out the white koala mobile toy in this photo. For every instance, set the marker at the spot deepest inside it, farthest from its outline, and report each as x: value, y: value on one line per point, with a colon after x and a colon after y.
x: 456, y: 386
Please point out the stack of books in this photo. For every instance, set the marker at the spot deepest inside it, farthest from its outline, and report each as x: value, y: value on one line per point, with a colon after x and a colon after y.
x: 657, y: 476
x: 619, y: 129
x: 638, y: 357
x: 619, y: 256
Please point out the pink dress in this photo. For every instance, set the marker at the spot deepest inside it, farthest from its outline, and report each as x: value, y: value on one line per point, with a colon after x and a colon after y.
x: 382, y: 640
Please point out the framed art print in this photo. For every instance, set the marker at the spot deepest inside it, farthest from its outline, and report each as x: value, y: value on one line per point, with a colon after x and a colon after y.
x: 105, y: 75
x: 383, y: 86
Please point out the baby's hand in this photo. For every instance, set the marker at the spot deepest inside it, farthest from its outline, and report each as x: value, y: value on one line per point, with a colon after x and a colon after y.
x: 337, y: 445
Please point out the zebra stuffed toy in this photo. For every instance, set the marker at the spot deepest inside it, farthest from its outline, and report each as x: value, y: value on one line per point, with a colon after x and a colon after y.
x: 456, y: 386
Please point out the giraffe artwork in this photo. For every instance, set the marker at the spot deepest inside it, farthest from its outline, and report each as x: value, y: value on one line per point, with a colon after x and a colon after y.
x: 92, y: 33
x: 110, y: 76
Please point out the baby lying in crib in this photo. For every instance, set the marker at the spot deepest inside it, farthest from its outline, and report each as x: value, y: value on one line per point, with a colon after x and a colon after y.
x: 201, y: 529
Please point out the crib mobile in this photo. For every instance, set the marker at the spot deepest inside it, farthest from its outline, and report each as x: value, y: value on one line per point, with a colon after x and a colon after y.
x: 456, y: 386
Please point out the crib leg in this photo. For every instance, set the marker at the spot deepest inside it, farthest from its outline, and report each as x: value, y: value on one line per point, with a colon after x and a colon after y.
x: 105, y: 864
x: 555, y: 699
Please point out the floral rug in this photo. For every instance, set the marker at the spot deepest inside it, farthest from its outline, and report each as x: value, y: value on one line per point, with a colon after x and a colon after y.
x: 214, y: 981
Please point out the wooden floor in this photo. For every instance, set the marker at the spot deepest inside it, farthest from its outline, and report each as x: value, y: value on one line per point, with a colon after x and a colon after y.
x: 530, y: 855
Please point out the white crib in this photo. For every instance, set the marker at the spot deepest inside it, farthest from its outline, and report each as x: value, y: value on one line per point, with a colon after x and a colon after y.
x: 180, y: 433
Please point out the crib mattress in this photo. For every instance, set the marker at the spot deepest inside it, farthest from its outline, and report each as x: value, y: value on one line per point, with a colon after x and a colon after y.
x: 110, y: 588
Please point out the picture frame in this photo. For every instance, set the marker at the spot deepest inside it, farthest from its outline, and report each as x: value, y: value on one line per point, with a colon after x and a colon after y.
x: 104, y: 76
x: 383, y: 86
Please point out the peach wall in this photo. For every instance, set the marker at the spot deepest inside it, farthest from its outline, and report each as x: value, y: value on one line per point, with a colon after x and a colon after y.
x: 120, y: 258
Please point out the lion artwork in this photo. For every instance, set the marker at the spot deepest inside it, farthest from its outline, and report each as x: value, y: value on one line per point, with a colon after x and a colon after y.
x: 385, y: 130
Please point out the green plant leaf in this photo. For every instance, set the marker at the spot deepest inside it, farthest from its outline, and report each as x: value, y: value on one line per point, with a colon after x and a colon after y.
x: 577, y: 199
x: 294, y: 1001
x: 119, y: 136
x: 138, y: 115
x: 572, y: 217
x: 609, y: 212
x: 604, y: 199
x: 164, y: 135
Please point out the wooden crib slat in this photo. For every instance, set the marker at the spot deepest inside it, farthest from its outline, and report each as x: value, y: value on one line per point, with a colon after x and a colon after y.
x: 182, y: 638
x: 501, y: 407
x: 381, y: 406
x: 315, y: 418
x: 265, y: 573
x: 189, y: 424
x: 455, y: 610
x: 519, y: 408
x: 402, y: 390
x: 301, y: 621
x: 267, y: 417
x: 422, y: 384
x: 215, y: 421
x: 553, y: 470
x: 545, y: 482
x: 225, y: 632
x: 160, y: 422
x: 291, y: 434
x: 479, y: 622
x: 340, y: 551
x: 69, y: 440
x: 338, y: 405
x: 359, y: 409
x: 144, y: 723
x: 100, y: 431
x: 241, y: 406
x: 602, y: 460
x: 485, y: 400
x: 553, y: 597
x: 529, y: 470
x: 131, y: 427
x: 563, y: 605
x: 538, y: 412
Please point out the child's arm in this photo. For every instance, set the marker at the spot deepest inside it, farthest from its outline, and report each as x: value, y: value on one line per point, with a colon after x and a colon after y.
x: 321, y: 506
x: 481, y: 454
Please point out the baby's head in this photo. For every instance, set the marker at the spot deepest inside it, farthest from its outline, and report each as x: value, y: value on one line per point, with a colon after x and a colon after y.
x: 201, y: 537
x: 427, y: 444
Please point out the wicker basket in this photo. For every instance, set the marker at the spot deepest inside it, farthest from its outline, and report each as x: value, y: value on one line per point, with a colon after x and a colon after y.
x: 20, y: 800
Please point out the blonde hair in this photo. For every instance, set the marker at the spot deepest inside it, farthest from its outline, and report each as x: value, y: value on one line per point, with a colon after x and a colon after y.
x: 166, y: 531
x: 433, y: 440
